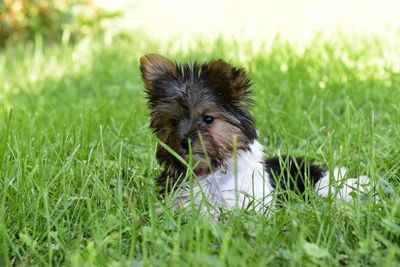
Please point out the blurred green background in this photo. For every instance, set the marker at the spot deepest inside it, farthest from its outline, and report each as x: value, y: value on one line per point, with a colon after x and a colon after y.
x: 24, y: 20
x: 257, y: 21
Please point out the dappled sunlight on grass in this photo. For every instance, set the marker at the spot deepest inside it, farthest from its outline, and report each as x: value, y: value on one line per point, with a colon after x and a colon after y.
x: 77, y: 159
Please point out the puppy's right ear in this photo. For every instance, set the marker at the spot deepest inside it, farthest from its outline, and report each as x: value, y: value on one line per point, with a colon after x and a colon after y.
x: 156, y: 68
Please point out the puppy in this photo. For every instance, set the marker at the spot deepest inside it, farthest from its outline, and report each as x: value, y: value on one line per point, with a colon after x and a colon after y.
x: 200, y: 113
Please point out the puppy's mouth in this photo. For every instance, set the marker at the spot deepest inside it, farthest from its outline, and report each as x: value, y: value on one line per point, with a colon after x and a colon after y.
x: 203, y: 165
x: 214, y: 166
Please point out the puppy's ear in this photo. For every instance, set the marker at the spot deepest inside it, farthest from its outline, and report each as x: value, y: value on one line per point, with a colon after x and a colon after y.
x: 154, y: 69
x: 230, y: 81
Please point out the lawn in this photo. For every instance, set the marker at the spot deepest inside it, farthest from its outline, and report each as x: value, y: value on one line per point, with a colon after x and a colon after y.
x: 77, y: 160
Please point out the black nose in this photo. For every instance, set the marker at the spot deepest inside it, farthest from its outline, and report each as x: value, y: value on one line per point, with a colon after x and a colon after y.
x: 185, y: 143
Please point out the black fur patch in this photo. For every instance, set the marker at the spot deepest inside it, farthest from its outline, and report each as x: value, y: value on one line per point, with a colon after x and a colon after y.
x: 293, y: 173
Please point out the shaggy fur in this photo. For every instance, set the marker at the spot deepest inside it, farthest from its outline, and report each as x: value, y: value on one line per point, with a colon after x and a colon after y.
x: 203, y: 110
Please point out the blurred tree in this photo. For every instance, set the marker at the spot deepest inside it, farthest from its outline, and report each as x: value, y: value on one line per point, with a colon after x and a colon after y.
x: 22, y: 20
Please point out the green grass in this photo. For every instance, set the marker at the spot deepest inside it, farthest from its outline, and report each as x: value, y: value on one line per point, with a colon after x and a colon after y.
x: 77, y: 158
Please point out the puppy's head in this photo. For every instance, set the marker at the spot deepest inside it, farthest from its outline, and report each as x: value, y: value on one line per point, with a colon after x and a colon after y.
x: 198, y: 107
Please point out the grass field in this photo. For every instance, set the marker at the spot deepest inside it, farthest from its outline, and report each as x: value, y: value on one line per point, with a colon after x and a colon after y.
x: 77, y: 158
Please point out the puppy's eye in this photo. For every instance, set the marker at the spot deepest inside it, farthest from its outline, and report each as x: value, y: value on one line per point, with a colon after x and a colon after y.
x: 208, y: 119
x: 174, y: 122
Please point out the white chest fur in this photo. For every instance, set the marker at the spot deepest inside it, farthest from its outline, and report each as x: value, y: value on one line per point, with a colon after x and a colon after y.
x: 242, y: 183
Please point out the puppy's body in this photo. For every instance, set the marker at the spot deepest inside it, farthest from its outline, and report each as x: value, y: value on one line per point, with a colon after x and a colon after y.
x: 249, y: 182
x: 203, y: 111
x: 242, y: 182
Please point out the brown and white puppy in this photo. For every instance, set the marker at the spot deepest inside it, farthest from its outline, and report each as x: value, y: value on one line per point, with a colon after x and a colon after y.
x: 201, y: 112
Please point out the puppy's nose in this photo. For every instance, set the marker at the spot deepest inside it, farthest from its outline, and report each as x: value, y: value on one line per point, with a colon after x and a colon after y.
x: 185, y: 143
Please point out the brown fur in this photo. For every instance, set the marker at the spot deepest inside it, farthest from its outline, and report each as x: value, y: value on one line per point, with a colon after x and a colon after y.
x: 152, y: 66
x: 181, y: 96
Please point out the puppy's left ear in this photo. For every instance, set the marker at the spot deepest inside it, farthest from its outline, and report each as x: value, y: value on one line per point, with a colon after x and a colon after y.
x: 154, y: 68
x: 230, y: 81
